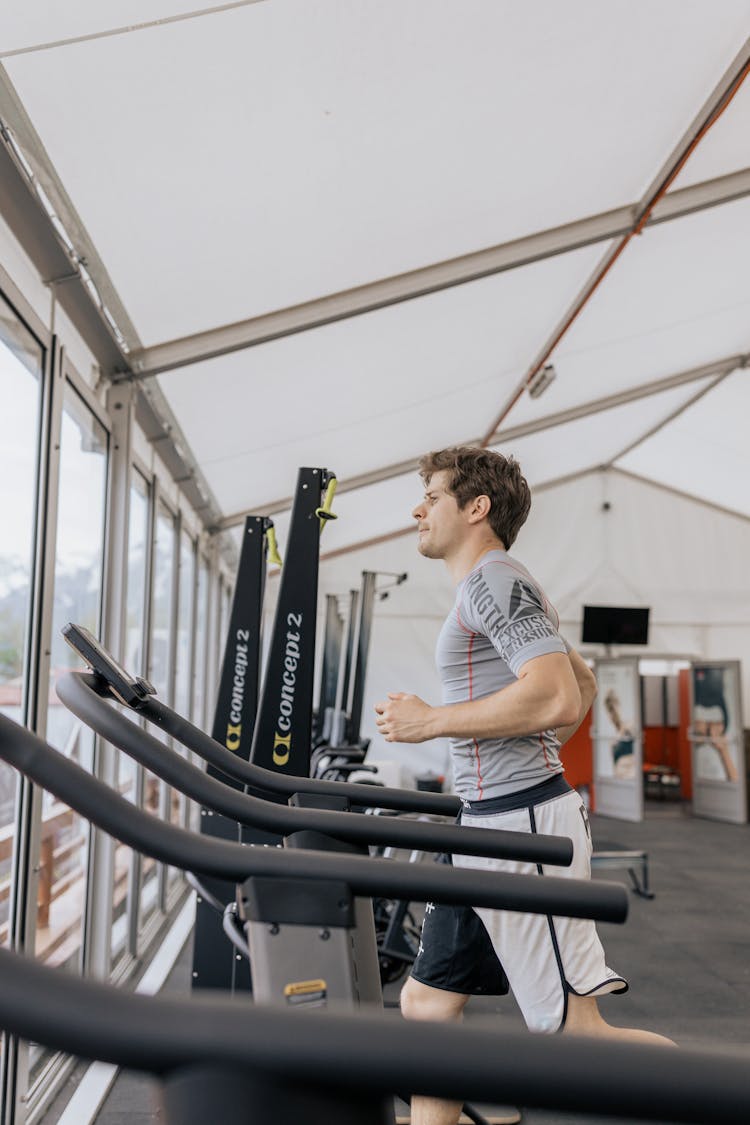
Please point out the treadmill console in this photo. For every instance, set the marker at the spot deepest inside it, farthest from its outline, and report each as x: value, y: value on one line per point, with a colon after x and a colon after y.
x: 130, y: 690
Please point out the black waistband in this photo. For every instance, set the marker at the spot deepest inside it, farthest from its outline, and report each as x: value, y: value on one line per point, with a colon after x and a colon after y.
x: 553, y: 787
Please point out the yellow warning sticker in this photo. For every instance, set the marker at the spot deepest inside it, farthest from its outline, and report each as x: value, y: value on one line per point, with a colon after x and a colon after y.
x: 305, y: 991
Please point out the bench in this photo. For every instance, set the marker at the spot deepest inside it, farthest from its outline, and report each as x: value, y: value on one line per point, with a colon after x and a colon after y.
x: 634, y: 862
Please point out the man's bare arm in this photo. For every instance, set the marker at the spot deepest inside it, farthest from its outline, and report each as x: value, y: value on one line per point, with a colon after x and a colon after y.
x: 544, y: 696
x: 586, y: 681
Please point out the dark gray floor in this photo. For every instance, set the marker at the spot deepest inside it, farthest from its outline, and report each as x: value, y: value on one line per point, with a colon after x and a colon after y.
x: 686, y: 953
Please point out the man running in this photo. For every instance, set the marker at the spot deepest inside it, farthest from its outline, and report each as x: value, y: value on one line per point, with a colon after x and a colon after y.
x: 513, y: 693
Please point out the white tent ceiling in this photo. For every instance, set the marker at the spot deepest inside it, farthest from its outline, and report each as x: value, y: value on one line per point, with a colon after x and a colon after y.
x: 704, y: 451
x: 372, y: 390
x: 724, y: 149
x: 240, y: 161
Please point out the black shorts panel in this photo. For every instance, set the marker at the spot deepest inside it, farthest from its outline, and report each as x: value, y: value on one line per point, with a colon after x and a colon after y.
x: 456, y: 954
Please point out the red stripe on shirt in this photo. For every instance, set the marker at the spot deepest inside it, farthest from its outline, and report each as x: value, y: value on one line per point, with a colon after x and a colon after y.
x: 462, y: 626
x: 471, y: 696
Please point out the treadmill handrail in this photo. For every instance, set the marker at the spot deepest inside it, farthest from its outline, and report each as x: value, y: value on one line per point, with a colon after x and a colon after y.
x: 366, y: 796
x: 77, y: 691
x: 375, y: 1052
x: 217, y: 755
x: 575, y: 898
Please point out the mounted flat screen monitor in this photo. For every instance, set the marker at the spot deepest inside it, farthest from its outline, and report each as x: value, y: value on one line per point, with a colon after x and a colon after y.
x: 612, y: 625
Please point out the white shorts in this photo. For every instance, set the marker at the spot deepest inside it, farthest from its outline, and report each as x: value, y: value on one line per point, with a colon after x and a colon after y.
x: 545, y: 958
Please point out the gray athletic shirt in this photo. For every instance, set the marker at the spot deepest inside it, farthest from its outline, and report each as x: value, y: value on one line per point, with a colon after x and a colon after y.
x: 500, y: 620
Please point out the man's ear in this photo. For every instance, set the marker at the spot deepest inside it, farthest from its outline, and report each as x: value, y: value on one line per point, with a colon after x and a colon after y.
x: 479, y: 508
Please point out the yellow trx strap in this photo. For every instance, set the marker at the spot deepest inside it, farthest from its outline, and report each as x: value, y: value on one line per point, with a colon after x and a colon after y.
x: 324, y: 512
x: 273, y: 550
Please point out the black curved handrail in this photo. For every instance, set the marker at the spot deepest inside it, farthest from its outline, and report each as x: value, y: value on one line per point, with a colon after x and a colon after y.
x: 375, y: 1053
x: 77, y: 691
x: 362, y: 796
x: 575, y: 898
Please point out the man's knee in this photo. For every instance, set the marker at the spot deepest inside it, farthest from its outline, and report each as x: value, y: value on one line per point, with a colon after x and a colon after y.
x: 421, y: 1002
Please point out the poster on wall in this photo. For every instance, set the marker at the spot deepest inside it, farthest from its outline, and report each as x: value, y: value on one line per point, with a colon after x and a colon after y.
x: 616, y: 735
x: 717, y: 742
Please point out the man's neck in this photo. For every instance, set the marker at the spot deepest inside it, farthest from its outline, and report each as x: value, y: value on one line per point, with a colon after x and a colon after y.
x: 467, y: 557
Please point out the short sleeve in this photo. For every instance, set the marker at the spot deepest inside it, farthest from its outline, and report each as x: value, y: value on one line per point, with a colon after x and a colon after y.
x: 508, y: 609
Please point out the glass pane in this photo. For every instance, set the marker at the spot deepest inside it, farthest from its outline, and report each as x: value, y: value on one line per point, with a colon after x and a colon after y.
x: 136, y: 590
x: 77, y: 597
x: 222, y: 607
x: 127, y: 770
x: 183, y: 656
x: 160, y: 674
x: 79, y: 554
x: 201, y: 646
x: 185, y: 626
x: 225, y: 607
x: 161, y: 604
x: 20, y: 381
x: 200, y: 665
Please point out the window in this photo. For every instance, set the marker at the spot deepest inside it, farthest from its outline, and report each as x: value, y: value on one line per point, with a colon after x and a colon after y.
x: 160, y: 674
x: 137, y: 564
x: 225, y: 609
x: 79, y: 554
x: 77, y: 597
x: 184, y: 656
x: 201, y: 646
x: 185, y: 627
x: 20, y: 384
x: 135, y: 640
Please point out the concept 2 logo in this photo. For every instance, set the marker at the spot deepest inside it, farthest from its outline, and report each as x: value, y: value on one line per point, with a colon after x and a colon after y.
x: 234, y: 726
x: 282, y: 741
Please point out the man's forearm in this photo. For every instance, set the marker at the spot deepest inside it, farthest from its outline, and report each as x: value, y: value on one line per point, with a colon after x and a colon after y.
x: 587, y: 687
x: 566, y: 733
x: 520, y: 709
x: 544, y: 696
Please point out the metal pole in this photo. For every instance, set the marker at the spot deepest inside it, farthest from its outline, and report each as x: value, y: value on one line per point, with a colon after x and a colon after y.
x: 366, y: 603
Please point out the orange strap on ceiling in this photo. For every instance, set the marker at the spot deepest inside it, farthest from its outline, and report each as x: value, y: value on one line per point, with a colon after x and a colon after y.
x: 607, y: 266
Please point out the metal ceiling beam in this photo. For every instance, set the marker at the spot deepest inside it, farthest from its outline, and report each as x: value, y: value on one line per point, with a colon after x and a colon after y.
x: 665, y: 421
x: 44, y: 244
x: 128, y: 29
x: 672, y: 491
x: 443, y: 275
x: 545, y: 486
x: 78, y: 257
x: 656, y: 193
x: 284, y: 503
x: 28, y: 220
x: 366, y: 544
x: 720, y: 368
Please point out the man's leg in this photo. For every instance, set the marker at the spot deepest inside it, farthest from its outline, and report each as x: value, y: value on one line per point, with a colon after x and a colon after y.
x: 421, y: 1002
x: 584, y: 1018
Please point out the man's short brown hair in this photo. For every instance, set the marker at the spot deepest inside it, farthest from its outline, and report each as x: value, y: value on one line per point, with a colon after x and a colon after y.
x: 476, y: 472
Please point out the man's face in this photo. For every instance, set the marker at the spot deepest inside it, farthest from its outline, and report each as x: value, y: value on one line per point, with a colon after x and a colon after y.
x: 440, y: 523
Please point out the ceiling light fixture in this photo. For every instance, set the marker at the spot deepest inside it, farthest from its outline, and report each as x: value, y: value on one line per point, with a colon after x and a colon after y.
x: 541, y: 380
